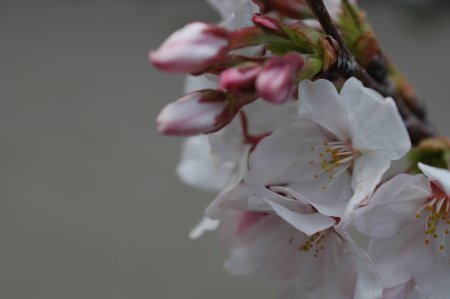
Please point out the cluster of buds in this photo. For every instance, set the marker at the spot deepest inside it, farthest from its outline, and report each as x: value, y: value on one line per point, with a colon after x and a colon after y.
x: 283, y: 54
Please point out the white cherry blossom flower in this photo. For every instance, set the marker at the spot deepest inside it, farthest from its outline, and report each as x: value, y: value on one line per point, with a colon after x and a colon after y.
x: 408, y: 220
x: 218, y: 161
x: 363, y: 133
x: 325, y: 264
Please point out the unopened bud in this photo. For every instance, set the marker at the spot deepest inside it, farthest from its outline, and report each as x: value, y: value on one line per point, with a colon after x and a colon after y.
x: 198, y: 112
x: 277, y: 79
x: 240, y: 79
x: 268, y: 24
x: 192, y: 49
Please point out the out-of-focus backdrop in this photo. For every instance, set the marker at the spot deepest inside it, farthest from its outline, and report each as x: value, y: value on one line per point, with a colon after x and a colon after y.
x: 90, y: 206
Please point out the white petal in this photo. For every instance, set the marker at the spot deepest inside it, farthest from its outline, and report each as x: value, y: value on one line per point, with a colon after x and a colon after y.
x: 206, y: 224
x: 348, y: 272
x: 265, y: 117
x: 267, y: 250
x: 193, y: 83
x: 376, y: 124
x: 430, y: 271
x: 201, y: 168
x: 393, y: 206
x: 233, y: 191
x: 321, y: 103
x: 399, y: 292
x: 367, y: 173
x: 329, y: 202
x: 228, y: 142
x: 277, y: 152
x: 307, y: 223
x: 225, y: 7
x: 236, y: 14
x: 439, y: 176
x: 415, y: 294
x: 393, y: 255
x: 368, y: 282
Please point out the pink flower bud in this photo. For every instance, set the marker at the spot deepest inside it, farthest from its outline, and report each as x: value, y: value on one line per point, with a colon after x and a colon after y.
x: 198, y: 112
x: 240, y: 79
x: 277, y: 78
x: 269, y: 24
x: 192, y: 49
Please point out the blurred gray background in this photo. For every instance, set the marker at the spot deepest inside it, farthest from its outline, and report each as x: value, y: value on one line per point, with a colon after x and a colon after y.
x: 90, y: 206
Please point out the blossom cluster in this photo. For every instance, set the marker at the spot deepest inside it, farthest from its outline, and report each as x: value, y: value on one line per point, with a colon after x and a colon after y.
x: 299, y: 158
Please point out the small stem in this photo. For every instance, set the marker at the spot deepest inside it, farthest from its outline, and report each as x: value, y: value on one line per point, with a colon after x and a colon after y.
x: 345, y: 61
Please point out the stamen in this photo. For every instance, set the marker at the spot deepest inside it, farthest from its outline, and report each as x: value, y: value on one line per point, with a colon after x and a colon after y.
x: 335, y: 158
x: 437, y: 220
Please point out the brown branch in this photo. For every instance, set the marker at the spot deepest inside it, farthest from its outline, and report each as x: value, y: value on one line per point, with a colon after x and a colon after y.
x: 347, y: 66
x: 380, y: 66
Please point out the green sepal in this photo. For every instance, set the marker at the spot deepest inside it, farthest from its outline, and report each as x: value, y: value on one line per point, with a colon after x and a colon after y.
x: 305, y: 38
x: 312, y: 67
x: 436, y: 157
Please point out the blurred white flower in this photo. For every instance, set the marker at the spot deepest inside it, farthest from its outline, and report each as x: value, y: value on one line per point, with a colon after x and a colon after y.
x: 322, y: 265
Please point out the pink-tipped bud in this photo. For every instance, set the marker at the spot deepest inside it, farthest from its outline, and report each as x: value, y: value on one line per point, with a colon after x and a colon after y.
x: 240, y: 79
x: 192, y: 49
x: 269, y: 24
x: 277, y: 78
x: 198, y: 112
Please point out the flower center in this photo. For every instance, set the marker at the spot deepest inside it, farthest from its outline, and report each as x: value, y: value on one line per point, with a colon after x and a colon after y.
x: 437, y: 209
x: 334, y: 158
x: 314, y: 244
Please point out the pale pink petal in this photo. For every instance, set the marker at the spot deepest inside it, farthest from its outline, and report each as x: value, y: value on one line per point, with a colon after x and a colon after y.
x: 393, y: 255
x: 393, y: 206
x: 307, y: 223
x: 321, y: 103
x: 402, y: 291
x: 367, y: 173
x: 194, y: 83
x: 439, y: 176
x: 276, y: 153
x: 226, y: 7
x: 331, y: 202
x: 430, y: 271
x: 202, y: 168
x: 368, y: 281
x: 206, y: 224
x: 375, y: 122
x: 228, y: 142
x: 231, y: 192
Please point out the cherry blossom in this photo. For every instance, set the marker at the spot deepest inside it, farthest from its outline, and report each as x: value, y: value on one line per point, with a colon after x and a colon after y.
x: 320, y: 264
x: 408, y: 220
x: 362, y: 133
